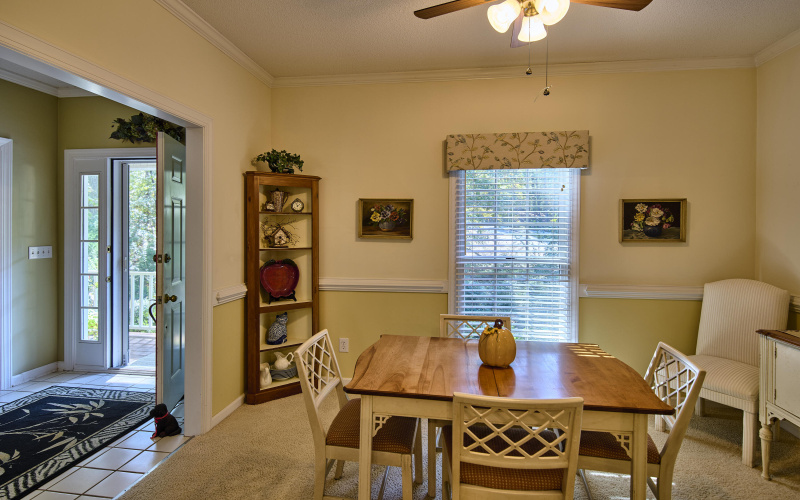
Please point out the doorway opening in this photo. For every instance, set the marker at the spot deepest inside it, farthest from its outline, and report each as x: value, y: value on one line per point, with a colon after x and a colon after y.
x: 135, y: 187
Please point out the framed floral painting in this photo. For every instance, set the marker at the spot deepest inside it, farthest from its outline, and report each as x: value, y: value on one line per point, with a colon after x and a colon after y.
x: 653, y: 220
x: 385, y: 218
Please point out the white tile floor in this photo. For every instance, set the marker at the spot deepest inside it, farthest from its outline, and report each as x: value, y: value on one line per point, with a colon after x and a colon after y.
x: 113, y: 469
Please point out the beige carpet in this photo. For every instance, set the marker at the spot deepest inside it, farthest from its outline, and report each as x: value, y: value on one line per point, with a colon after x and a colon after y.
x: 265, y: 452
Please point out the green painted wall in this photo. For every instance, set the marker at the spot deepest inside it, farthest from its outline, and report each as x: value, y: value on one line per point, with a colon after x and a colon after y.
x: 29, y: 118
x: 83, y: 123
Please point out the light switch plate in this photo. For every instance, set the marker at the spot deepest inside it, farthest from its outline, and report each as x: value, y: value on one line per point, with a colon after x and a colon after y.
x: 40, y: 252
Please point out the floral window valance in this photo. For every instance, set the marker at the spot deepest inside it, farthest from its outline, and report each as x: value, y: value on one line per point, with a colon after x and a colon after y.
x: 565, y: 149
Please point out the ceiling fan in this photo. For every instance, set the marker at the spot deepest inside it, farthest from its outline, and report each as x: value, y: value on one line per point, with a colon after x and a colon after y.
x: 528, y: 16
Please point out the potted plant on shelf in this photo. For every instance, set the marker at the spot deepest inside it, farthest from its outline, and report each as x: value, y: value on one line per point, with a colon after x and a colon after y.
x: 280, y: 161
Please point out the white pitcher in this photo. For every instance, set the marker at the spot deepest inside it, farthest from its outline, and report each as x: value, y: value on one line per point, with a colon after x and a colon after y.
x: 266, y: 376
x: 282, y: 362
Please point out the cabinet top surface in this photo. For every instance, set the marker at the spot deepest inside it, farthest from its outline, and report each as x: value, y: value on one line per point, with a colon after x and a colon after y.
x: 258, y: 173
x: 788, y: 336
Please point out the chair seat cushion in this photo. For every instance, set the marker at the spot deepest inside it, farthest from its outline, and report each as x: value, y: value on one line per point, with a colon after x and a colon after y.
x: 728, y: 377
x: 499, y: 478
x: 605, y: 445
x: 396, y: 435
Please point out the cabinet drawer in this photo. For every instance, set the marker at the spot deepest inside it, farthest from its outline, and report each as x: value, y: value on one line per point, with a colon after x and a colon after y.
x: 787, y: 376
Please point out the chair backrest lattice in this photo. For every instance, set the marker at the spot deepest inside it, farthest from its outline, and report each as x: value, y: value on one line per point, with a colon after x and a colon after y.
x: 319, y: 374
x: 468, y: 327
x: 517, y: 434
x: 676, y: 381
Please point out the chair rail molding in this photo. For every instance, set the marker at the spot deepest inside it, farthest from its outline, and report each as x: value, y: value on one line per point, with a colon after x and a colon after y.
x: 229, y: 294
x: 382, y: 285
x: 6, y: 178
x: 652, y: 292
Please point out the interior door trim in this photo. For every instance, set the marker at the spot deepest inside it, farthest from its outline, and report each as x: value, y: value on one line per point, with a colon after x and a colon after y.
x: 6, y: 193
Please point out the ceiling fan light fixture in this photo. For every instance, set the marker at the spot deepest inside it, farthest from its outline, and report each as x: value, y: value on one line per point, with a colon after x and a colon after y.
x: 501, y: 16
x: 532, y: 29
x: 551, y: 11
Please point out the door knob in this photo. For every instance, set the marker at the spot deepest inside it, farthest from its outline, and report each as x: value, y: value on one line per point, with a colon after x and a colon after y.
x: 170, y: 298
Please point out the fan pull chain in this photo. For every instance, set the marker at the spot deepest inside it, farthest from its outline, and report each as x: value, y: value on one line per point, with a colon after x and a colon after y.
x: 546, y: 66
x: 529, y: 72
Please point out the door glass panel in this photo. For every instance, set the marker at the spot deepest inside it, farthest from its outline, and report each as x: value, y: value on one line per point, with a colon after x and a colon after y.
x: 89, y: 291
x: 89, y: 329
x: 90, y: 218
x: 89, y: 257
x: 89, y: 193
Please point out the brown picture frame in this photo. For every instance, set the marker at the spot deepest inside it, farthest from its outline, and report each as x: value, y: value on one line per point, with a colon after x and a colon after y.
x: 394, y: 223
x: 650, y: 219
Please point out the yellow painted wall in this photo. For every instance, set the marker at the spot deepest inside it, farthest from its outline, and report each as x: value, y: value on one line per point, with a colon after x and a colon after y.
x: 686, y: 134
x: 228, y: 363
x: 172, y: 60
x: 83, y: 123
x: 29, y: 118
x: 778, y: 172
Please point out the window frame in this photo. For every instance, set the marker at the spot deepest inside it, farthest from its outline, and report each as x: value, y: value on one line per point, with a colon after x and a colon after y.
x: 574, y: 250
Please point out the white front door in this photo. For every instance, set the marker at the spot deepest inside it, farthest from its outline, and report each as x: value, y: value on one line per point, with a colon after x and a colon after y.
x: 170, y: 269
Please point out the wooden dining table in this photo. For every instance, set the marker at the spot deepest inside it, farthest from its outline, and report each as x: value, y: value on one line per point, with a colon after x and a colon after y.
x: 416, y: 377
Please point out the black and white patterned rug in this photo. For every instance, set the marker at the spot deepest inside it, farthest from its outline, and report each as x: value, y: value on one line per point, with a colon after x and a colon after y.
x: 46, y: 432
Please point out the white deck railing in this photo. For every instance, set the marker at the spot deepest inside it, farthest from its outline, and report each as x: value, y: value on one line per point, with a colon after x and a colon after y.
x: 141, y: 293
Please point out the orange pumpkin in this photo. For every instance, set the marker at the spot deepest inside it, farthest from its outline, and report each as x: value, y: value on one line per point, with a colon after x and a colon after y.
x: 497, y: 346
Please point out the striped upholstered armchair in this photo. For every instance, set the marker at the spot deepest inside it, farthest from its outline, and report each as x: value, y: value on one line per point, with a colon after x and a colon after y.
x: 727, y: 346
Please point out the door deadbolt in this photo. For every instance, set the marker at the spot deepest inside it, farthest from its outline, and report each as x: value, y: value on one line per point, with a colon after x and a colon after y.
x: 167, y: 258
x: 170, y: 298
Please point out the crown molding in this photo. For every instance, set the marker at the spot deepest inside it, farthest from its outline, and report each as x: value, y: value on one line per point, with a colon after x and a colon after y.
x: 515, y: 72
x: 788, y: 42
x: 28, y: 82
x: 202, y: 28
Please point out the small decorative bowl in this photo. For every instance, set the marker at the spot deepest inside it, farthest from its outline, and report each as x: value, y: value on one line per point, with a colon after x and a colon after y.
x: 284, y: 374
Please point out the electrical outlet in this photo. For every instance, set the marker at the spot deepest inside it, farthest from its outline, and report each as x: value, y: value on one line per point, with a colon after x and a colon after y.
x: 344, y: 345
x: 40, y: 252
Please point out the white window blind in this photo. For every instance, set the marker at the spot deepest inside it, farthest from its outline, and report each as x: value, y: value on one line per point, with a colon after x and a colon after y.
x: 515, y: 249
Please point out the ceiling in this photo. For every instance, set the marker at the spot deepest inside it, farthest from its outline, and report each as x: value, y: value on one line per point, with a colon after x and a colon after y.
x: 302, y: 38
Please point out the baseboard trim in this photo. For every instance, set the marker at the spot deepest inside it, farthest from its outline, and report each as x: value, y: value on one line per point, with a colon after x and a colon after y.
x: 222, y: 415
x: 33, y: 374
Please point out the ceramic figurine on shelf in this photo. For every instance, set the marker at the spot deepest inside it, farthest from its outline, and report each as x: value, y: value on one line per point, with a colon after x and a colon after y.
x: 277, y: 331
x: 266, y: 376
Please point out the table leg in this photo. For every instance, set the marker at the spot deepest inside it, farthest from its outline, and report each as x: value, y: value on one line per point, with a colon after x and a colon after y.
x: 639, y: 457
x: 365, y: 449
x: 766, y: 441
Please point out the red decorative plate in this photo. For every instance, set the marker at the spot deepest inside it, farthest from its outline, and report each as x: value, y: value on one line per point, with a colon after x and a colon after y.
x: 279, y: 278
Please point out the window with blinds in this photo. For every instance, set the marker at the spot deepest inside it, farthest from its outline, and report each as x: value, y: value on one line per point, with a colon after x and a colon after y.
x: 515, y: 249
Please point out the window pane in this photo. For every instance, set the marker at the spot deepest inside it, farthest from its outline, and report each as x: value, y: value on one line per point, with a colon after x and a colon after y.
x: 89, y: 258
x: 89, y: 192
x: 89, y: 219
x: 514, y: 249
x: 89, y: 325
x: 89, y: 291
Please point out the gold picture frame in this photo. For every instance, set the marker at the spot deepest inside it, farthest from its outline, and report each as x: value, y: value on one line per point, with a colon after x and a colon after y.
x: 385, y: 218
x: 648, y: 220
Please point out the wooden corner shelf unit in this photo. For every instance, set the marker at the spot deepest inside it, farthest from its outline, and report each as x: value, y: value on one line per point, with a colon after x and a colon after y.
x: 303, y: 250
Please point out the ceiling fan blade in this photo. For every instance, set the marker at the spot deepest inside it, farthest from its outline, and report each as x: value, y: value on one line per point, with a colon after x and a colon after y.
x: 446, y: 8
x: 515, y: 41
x: 617, y: 4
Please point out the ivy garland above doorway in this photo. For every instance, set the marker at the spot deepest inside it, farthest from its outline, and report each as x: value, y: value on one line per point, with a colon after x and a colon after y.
x: 144, y: 128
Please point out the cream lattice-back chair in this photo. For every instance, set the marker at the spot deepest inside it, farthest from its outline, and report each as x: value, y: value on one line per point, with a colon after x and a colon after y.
x: 393, y: 445
x: 512, y: 448
x: 676, y: 381
x: 458, y: 327
x: 467, y: 327
x: 727, y: 346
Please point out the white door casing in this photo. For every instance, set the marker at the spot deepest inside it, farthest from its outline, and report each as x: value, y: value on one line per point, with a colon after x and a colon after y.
x: 34, y: 53
x: 170, y: 269
x: 6, y: 169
